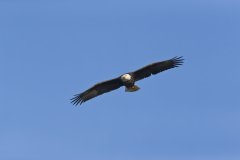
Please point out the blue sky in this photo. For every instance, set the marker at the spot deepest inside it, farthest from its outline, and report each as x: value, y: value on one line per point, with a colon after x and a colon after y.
x: 51, y: 50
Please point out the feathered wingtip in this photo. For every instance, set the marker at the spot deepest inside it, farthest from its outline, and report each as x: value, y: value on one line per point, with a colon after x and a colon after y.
x: 177, y: 61
x: 77, y: 99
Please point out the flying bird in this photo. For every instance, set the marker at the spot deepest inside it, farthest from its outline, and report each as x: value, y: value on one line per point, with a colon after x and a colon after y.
x: 128, y: 80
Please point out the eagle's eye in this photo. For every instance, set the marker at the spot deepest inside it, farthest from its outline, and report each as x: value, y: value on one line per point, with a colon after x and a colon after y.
x: 125, y: 77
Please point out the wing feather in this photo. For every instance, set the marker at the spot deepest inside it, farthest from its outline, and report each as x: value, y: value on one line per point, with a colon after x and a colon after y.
x: 157, y: 67
x: 96, y: 90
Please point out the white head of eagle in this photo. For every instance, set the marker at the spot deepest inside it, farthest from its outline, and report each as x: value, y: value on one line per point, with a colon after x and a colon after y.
x: 126, y: 77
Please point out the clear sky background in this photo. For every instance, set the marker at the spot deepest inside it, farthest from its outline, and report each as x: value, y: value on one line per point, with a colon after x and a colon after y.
x: 51, y: 50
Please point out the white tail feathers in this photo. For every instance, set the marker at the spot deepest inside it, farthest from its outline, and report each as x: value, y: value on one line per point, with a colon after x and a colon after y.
x: 132, y: 89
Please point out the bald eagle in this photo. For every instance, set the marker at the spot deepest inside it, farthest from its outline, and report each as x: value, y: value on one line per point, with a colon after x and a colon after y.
x: 128, y: 80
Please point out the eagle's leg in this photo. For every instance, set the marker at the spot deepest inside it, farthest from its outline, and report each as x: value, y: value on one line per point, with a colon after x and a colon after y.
x: 132, y: 88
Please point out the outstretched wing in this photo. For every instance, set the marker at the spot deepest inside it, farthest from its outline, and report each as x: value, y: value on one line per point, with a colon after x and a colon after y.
x: 157, y: 67
x: 96, y: 90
